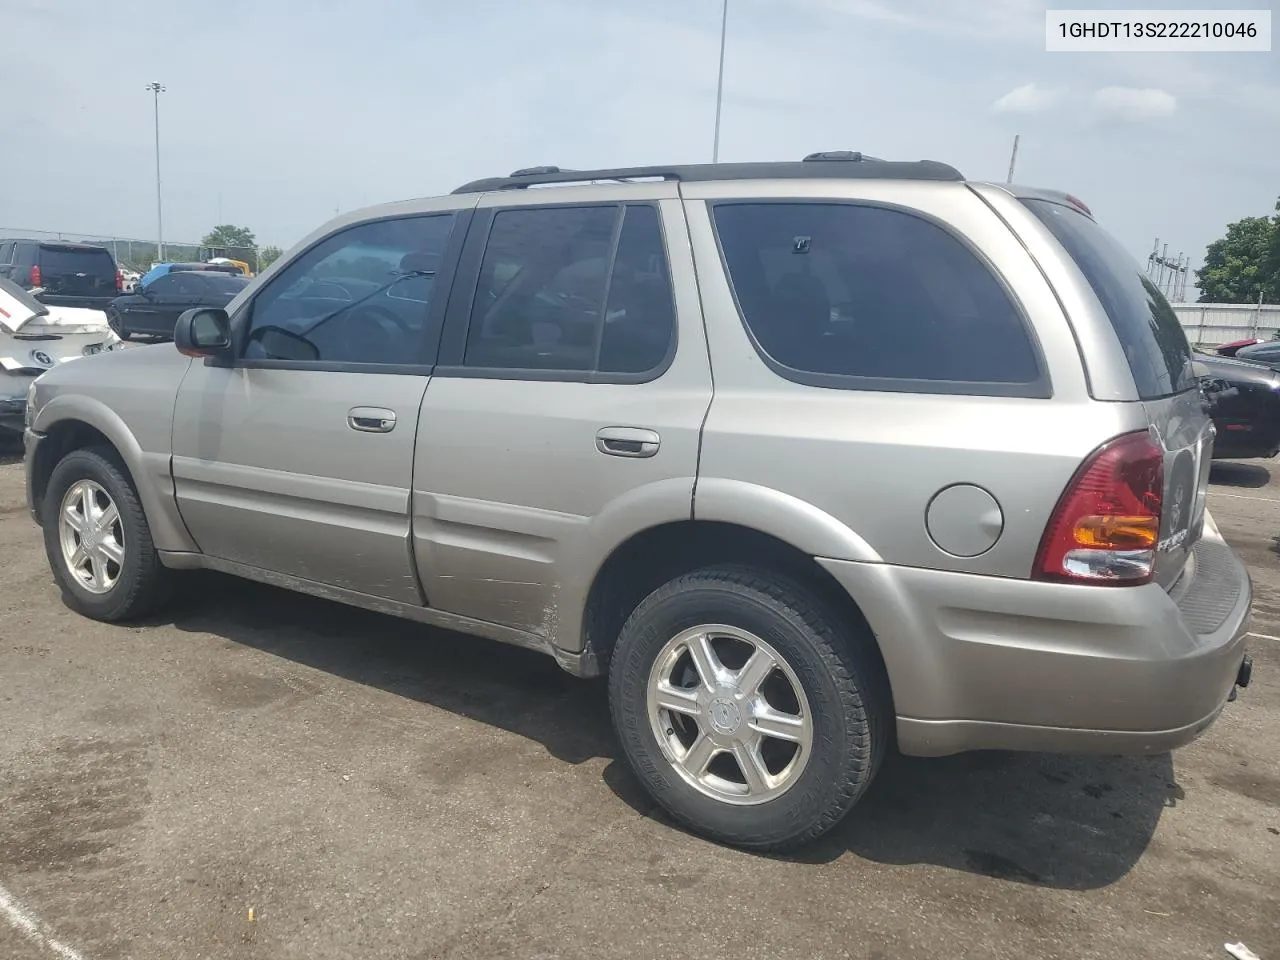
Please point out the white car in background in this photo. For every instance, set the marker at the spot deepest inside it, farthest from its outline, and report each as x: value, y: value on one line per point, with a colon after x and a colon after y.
x: 35, y: 337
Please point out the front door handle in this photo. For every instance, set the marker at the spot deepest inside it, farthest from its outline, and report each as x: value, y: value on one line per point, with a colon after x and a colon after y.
x: 371, y: 419
x: 627, y: 442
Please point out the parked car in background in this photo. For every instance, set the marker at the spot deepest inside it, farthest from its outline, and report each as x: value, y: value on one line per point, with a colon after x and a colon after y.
x: 129, y: 279
x: 35, y: 337
x: 240, y: 265
x: 164, y: 269
x: 967, y: 513
x: 1265, y: 352
x: 1244, y: 401
x: 64, y: 274
x: 151, y: 311
x: 1230, y: 349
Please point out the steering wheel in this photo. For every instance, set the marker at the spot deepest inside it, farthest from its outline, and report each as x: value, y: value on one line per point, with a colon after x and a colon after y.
x: 365, y: 333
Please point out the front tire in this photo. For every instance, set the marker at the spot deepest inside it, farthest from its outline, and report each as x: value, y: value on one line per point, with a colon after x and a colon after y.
x: 98, y: 541
x: 748, y: 710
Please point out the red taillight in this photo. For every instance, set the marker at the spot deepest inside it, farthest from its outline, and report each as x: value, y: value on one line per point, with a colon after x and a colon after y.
x: 35, y: 276
x: 1106, y: 526
x: 119, y: 281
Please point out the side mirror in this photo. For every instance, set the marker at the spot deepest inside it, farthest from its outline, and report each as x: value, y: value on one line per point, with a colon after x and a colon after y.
x: 203, y: 332
x: 278, y: 343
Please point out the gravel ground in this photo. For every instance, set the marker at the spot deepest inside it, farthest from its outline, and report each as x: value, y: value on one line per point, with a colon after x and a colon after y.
x: 373, y: 789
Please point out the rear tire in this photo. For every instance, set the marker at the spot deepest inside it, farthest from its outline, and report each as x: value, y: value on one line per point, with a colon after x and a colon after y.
x: 98, y: 541
x: 116, y: 322
x: 814, y: 749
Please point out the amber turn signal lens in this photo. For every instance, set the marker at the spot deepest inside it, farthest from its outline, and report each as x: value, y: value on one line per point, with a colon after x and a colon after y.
x: 1117, y: 533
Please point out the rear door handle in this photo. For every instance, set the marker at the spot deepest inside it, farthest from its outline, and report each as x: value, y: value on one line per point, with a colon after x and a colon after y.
x: 371, y: 419
x: 627, y: 442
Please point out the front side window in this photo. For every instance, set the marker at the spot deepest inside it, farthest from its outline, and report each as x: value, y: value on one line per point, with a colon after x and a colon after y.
x: 360, y: 296
x: 572, y: 289
x: 165, y: 286
x: 842, y: 293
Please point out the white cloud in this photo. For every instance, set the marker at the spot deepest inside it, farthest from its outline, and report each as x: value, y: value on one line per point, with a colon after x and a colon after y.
x: 1028, y: 98
x: 1135, y: 103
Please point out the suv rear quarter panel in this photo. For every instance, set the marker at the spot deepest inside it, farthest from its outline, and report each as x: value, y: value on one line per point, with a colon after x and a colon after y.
x: 867, y: 464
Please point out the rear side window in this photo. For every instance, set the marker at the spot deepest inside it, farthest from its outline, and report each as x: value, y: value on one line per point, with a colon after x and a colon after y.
x: 572, y: 289
x: 866, y: 297
x: 1154, y: 342
x: 64, y: 260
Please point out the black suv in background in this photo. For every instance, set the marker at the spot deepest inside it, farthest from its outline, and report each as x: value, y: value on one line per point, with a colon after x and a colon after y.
x: 62, y: 274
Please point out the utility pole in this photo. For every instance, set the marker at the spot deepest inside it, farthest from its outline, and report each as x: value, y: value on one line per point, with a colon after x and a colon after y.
x: 157, y: 89
x: 1013, y: 158
x: 724, y: 23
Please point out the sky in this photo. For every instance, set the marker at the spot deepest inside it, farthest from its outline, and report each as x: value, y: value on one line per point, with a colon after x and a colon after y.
x: 279, y: 112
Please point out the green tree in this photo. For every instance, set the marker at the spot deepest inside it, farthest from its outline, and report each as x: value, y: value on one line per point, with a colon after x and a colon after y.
x: 236, y: 243
x: 1243, y: 265
x: 268, y: 255
x: 227, y: 235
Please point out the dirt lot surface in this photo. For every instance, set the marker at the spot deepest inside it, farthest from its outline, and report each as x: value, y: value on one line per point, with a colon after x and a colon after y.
x: 372, y: 789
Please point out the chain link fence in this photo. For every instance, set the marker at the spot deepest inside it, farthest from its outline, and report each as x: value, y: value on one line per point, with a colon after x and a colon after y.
x: 137, y: 254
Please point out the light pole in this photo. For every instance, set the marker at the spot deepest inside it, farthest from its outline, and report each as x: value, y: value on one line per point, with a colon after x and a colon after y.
x: 724, y: 23
x: 157, y: 89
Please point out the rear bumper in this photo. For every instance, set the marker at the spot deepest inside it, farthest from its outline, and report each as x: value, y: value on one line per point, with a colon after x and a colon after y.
x: 990, y: 663
x: 68, y: 300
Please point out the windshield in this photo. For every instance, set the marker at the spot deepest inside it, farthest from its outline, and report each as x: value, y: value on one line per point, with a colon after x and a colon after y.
x: 1154, y: 342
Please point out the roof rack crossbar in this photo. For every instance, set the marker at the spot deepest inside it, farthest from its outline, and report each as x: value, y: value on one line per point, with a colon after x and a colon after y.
x: 834, y: 165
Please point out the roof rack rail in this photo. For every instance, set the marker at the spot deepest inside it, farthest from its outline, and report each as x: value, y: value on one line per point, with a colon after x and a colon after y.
x: 535, y: 171
x: 856, y: 156
x: 831, y: 165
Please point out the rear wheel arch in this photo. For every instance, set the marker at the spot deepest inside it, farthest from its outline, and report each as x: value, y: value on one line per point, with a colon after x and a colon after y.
x: 655, y: 556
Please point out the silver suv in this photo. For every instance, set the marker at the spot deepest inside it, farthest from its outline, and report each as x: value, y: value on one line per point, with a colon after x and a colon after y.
x: 811, y: 459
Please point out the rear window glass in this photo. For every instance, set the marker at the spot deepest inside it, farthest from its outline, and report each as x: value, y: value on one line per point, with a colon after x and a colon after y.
x: 837, y: 291
x: 56, y: 260
x: 222, y: 283
x: 1154, y: 342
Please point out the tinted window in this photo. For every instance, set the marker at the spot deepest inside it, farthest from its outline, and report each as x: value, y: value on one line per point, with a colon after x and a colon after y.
x: 165, y: 286
x: 185, y: 285
x: 63, y: 260
x: 541, y: 289
x: 6, y: 252
x: 220, y: 284
x: 547, y: 298
x: 839, y: 291
x: 1154, y: 342
x: 359, y: 296
x: 640, y: 315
